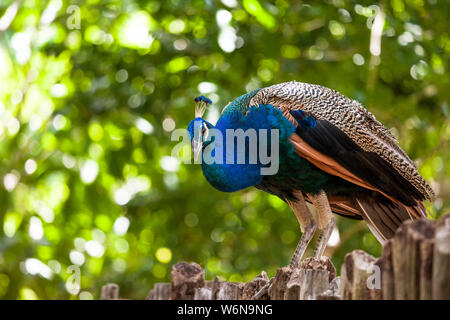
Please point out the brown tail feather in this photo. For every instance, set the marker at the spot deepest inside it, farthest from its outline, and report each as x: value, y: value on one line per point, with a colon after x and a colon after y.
x: 344, y: 210
x: 382, y: 215
x: 385, y: 216
x: 344, y: 206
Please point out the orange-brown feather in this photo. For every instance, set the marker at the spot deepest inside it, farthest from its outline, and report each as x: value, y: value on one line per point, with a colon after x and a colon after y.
x: 330, y: 166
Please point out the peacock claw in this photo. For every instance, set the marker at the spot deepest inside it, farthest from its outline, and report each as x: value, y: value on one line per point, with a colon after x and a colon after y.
x: 264, y: 290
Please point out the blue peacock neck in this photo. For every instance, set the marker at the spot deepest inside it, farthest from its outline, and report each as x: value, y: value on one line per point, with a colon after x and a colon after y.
x: 230, y: 177
x: 224, y: 172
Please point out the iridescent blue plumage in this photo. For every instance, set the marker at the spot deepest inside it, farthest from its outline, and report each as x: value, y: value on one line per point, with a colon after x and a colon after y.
x: 233, y: 176
x: 303, y: 120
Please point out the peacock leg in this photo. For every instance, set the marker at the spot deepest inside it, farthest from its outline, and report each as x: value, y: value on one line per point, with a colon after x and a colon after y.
x: 307, y: 226
x: 326, y: 220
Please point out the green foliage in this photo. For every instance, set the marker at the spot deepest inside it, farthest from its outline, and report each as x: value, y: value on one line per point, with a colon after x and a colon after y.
x: 90, y: 92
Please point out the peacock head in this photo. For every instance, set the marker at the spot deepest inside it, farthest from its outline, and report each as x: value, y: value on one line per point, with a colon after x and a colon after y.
x: 198, y: 128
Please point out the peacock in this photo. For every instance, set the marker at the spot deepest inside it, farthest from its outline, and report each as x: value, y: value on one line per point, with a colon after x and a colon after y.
x: 331, y: 152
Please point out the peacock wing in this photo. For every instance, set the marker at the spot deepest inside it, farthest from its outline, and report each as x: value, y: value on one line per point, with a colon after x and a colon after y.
x: 349, y: 135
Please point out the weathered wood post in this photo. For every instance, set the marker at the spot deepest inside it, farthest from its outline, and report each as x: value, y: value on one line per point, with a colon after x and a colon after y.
x: 224, y: 290
x: 387, y: 278
x: 202, y: 294
x: 293, y: 286
x: 110, y: 292
x: 315, y: 277
x: 252, y: 287
x: 441, y: 263
x: 412, y: 247
x: 279, y: 283
x: 417, y: 234
x: 160, y: 291
x: 415, y: 264
x: 308, y: 281
x: 186, y: 277
x: 333, y: 292
x: 358, y: 267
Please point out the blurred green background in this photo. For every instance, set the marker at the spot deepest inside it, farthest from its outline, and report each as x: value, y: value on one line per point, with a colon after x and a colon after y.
x: 90, y: 92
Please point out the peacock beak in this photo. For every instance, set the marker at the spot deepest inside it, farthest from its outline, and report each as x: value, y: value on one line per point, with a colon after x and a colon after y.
x: 196, y: 148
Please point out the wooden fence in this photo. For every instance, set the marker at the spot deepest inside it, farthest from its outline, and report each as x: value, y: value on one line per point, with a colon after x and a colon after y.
x: 415, y: 264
